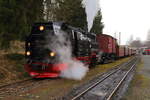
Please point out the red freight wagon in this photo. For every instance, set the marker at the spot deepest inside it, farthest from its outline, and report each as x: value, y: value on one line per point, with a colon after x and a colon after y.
x: 107, y: 45
x: 134, y: 52
x: 120, y: 51
x: 130, y: 51
x: 126, y: 51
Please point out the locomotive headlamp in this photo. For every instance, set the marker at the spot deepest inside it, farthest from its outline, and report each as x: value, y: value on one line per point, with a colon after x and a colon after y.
x: 28, y: 53
x: 29, y: 44
x: 41, y: 28
x: 52, y: 54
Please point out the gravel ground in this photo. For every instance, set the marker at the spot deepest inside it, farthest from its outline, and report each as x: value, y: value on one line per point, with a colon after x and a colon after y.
x: 146, y: 67
x: 125, y: 85
x: 81, y: 88
x: 139, y: 88
x: 51, y: 90
x: 102, y: 90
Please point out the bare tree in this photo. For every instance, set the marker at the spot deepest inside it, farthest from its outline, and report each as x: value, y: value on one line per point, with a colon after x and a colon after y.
x: 130, y: 40
x: 49, y: 9
x: 136, y: 43
x: 147, y: 42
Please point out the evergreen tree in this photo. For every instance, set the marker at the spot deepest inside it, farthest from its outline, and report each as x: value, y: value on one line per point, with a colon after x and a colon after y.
x: 17, y: 16
x: 98, y: 25
x: 7, y: 16
x: 72, y: 12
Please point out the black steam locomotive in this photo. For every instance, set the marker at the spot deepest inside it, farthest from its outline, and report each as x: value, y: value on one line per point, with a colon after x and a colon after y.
x: 47, y: 44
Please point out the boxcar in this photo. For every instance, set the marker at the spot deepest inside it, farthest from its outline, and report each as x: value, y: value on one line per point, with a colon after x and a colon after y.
x: 120, y: 51
x: 130, y: 51
x: 107, y: 46
x: 133, y: 52
x: 126, y: 51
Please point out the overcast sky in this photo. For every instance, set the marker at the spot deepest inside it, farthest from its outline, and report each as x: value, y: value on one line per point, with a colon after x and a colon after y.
x: 130, y: 17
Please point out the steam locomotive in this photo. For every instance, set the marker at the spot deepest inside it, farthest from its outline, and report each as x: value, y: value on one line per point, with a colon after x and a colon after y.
x: 49, y: 44
x: 41, y: 48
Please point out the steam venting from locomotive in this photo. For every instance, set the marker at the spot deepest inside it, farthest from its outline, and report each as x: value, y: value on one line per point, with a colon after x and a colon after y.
x: 62, y: 46
x: 92, y: 7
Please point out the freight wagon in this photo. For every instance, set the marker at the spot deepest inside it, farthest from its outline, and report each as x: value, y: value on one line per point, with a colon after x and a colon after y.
x: 107, y: 46
x: 126, y: 51
x: 120, y: 51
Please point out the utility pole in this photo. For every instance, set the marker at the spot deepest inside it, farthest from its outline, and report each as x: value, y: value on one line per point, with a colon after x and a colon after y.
x: 115, y: 35
x: 119, y: 38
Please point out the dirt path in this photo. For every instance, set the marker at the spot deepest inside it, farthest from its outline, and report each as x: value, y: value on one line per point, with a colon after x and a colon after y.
x: 5, y: 75
x: 146, y: 66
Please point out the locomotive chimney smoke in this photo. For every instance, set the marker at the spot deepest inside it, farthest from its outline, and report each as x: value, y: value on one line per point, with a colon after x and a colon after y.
x: 62, y: 46
x: 92, y: 7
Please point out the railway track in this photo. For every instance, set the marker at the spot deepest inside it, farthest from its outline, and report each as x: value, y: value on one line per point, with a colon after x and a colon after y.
x: 20, y: 87
x: 28, y: 84
x: 121, y: 81
x: 14, y: 83
x: 102, y: 89
x: 14, y: 88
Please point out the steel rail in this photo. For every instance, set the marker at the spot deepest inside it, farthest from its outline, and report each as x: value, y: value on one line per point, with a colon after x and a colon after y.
x: 101, y: 80
x: 119, y: 84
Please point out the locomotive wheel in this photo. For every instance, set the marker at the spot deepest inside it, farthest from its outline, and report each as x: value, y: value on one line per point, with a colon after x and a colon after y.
x: 102, y: 60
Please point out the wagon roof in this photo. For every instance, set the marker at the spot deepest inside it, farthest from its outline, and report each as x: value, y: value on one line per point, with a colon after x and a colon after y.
x: 108, y: 36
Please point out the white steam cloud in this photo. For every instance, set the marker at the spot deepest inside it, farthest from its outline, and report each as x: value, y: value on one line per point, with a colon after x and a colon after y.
x: 92, y: 7
x: 62, y: 46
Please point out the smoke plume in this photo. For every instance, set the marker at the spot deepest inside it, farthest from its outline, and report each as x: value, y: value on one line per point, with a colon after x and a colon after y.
x: 92, y: 7
x: 62, y: 46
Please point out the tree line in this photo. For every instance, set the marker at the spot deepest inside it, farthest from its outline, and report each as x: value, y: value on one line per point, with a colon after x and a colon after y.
x: 17, y: 17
